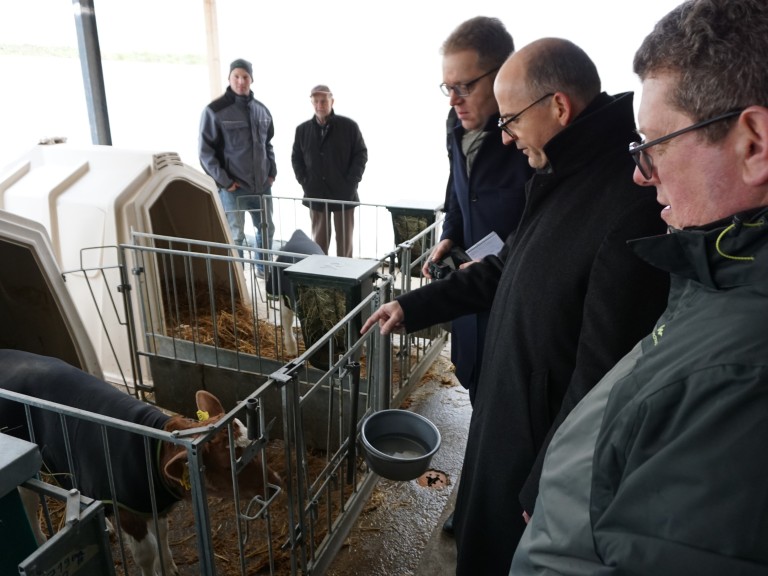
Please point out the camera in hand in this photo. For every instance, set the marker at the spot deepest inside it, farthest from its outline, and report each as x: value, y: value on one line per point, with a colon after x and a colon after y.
x: 442, y: 268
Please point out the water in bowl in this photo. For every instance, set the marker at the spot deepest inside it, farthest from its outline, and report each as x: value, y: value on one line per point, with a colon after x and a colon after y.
x: 399, y: 446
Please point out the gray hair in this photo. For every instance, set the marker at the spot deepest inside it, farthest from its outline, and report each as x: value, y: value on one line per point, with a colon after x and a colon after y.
x: 718, y: 52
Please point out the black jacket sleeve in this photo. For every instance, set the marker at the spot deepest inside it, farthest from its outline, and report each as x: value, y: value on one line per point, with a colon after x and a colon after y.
x: 466, y: 291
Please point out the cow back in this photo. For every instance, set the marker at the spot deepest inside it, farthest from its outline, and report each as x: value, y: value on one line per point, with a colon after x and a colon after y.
x: 56, y: 381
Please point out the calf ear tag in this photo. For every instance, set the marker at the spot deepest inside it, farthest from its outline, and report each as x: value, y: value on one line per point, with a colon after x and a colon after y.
x: 202, y: 415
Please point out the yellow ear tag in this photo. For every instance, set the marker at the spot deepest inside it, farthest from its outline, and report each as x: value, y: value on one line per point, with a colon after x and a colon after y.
x: 202, y: 415
x: 185, y: 480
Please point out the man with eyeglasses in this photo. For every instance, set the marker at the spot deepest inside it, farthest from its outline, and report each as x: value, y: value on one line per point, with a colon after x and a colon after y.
x: 661, y: 469
x: 567, y: 296
x: 487, y: 179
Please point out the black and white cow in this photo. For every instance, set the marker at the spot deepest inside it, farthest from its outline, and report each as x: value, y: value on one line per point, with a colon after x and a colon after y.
x: 53, y: 380
x: 278, y: 285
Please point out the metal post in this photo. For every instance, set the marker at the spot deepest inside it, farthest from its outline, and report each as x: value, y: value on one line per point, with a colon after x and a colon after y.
x: 384, y: 346
x: 212, y: 44
x: 93, y: 78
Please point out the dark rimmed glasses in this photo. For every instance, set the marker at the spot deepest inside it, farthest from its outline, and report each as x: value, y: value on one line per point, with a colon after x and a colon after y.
x: 503, y: 124
x: 464, y: 89
x: 643, y: 159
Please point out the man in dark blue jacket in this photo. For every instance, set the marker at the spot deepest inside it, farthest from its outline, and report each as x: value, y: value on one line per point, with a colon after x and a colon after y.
x: 487, y: 182
x: 486, y: 187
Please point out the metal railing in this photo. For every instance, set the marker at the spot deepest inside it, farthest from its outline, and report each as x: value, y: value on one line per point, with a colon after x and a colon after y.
x: 201, y: 318
x: 193, y: 441
x: 377, y: 229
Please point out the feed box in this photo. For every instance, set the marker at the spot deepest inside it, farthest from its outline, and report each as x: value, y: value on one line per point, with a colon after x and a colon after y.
x: 409, y: 218
x: 327, y: 288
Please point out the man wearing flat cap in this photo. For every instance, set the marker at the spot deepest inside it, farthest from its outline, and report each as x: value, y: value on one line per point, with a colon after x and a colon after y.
x: 329, y: 157
x: 236, y: 151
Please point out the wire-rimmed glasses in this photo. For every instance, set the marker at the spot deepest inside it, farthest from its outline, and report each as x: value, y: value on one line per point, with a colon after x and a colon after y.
x: 643, y: 159
x: 464, y: 89
x: 505, y: 121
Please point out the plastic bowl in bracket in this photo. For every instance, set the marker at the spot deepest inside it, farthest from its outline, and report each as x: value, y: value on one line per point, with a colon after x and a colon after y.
x: 399, y: 444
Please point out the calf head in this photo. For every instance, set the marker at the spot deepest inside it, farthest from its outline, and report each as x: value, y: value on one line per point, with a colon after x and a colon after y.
x: 216, y: 455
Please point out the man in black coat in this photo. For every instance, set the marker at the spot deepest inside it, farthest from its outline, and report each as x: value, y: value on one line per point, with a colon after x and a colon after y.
x: 329, y: 157
x: 567, y: 296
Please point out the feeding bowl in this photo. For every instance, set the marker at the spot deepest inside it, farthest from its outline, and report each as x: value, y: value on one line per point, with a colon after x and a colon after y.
x: 399, y: 444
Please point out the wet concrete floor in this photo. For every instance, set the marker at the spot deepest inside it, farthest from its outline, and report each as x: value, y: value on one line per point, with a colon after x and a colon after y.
x: 399, y: 532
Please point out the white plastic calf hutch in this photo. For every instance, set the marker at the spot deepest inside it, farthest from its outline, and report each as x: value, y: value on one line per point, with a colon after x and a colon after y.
x: 89, y: 199
x: 37, y: 312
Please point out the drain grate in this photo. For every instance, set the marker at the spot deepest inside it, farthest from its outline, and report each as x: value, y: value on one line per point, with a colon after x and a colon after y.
x: 433, y: 479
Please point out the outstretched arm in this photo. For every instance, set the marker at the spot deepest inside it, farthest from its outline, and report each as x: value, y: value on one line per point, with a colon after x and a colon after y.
x: 390, y: 318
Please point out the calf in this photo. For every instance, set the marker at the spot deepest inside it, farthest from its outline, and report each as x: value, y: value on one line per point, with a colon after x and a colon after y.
x: 56, y: 381
x: 278, y: 285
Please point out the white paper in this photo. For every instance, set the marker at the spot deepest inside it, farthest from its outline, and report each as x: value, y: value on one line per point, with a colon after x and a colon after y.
x: 491, y: 244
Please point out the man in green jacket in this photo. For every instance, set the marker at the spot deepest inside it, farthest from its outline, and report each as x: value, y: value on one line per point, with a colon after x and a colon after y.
x: 661, y: 469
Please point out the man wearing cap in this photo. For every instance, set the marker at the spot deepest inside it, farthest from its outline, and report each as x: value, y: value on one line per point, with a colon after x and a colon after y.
x: 236, y: 151
x: 329, y: 157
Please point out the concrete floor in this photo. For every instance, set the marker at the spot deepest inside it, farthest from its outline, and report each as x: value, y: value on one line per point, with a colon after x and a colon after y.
x: 399, y: 533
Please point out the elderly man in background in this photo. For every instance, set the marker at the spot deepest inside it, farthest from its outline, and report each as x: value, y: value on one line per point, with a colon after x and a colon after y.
x: 568, y: 298
x: 329, y: 157
x: 661, y: 469
x: 235, y: 150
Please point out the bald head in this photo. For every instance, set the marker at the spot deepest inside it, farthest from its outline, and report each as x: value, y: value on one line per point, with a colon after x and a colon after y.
x: 541, y: 89
x: 559, y: 65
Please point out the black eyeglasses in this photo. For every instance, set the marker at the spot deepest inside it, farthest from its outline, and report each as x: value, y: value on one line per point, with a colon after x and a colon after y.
x: 503, y: 124
x: 643, y: 159
x: 463, y: 89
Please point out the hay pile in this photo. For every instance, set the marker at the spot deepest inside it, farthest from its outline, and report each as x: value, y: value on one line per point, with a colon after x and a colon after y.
x: 320, y: 309
x: 407, y: 227
x: 182, y: 529
x: 240, y: 330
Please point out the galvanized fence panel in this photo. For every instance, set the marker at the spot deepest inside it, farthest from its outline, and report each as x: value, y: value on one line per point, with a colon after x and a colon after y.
x: 378, y: 228
x: 325, y: 392
x: 208, y: 550
x: 201, y: 318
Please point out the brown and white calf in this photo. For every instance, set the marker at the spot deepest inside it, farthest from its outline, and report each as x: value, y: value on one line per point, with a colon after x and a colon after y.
x: 56, y: 381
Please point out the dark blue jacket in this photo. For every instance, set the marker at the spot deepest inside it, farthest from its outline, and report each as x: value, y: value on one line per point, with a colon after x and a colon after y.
x: 491, y: 199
